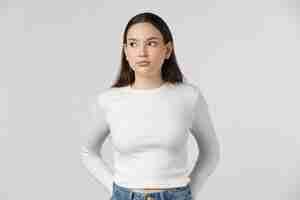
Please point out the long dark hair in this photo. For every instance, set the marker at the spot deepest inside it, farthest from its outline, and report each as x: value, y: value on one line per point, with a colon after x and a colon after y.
x: 170, y: 69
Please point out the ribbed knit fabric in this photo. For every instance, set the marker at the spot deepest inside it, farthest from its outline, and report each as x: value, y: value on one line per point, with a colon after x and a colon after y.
x: 149, y: 129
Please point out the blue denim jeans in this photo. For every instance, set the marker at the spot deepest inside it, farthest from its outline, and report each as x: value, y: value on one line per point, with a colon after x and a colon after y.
x: 178, y: 193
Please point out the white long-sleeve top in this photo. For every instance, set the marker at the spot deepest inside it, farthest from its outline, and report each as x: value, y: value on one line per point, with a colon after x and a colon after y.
x: 149, y: 130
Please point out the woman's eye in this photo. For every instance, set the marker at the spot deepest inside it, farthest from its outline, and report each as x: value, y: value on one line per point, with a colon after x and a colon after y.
x: 153, y: 43
x: 131, y: 43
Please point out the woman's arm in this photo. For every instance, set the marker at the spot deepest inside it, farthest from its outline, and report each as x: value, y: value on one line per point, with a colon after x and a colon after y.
x: 208, y: 145
x: 90, y: 156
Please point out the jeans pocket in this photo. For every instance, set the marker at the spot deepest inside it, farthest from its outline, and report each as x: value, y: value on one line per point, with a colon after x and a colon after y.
x: 182, y: 195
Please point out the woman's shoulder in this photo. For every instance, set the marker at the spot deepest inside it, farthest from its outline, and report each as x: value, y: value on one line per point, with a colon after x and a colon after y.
x: 105, y: 95
x: 195, y: 93
x: 189, y: 88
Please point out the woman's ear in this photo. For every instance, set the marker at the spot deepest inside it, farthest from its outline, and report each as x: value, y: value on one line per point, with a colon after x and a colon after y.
x: 169, y: 49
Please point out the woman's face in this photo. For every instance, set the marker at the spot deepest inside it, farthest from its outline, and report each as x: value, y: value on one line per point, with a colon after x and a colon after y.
x: 145, y: 43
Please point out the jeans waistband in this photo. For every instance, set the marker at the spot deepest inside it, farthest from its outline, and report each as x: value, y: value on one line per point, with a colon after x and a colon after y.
x: 124, y: 193
x: 175, y: 189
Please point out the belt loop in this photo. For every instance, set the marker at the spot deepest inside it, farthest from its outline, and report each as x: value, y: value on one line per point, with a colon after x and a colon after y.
x: 161, y: 194
x: 131, y: 195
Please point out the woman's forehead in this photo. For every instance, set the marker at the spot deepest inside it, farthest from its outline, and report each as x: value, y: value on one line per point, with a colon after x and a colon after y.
x: 143, y: 31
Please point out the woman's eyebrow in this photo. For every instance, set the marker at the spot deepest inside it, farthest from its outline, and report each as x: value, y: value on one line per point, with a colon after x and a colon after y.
x: 150, y: 38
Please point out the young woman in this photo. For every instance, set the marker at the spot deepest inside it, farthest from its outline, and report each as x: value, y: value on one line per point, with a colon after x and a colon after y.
x: 149, y: 112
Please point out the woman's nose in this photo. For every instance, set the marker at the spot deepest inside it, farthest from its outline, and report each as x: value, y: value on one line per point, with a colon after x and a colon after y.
x: 142, y: 50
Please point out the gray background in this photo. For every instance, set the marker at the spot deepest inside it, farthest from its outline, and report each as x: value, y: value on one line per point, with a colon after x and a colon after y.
x: 55, y: 56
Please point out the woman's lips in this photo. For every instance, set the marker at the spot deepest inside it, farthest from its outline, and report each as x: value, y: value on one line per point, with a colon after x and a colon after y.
x: 143, y: 63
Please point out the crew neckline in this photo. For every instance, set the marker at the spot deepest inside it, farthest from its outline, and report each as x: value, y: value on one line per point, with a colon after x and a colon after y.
x: 144, y: 90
